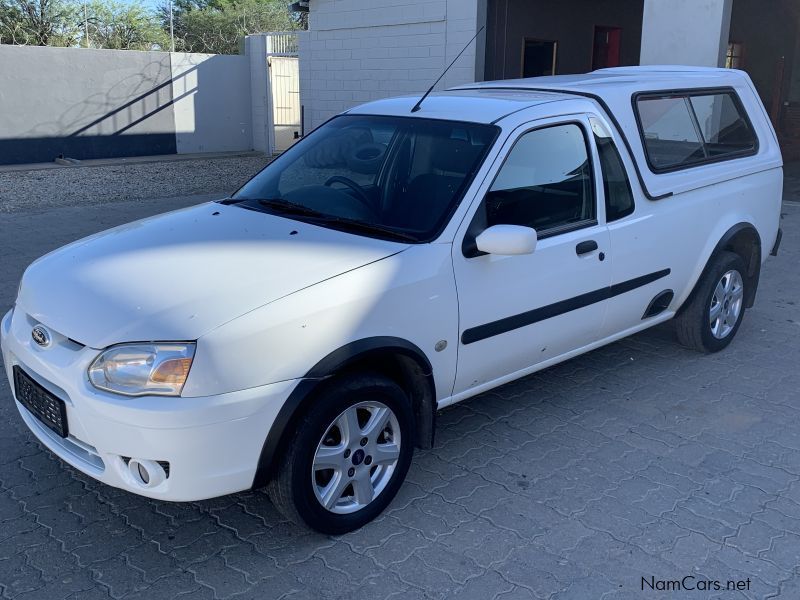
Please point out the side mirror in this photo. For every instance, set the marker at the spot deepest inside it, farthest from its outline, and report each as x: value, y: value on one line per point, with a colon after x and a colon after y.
x: 506, y: 240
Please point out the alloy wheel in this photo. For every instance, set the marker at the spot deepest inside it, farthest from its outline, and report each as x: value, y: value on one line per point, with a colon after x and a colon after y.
x: 726, y: 304
x: 356, y: 457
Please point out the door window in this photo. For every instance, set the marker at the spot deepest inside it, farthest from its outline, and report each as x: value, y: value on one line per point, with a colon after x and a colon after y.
x: 544, y: 183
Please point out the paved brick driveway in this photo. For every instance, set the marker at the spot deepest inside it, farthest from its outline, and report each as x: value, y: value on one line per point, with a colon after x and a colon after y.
x: 640, y: 459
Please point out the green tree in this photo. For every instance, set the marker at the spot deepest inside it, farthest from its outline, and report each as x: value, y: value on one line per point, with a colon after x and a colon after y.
x: 38, y: 22
x: 218, y: 26
x: 212, y: 26
x: 125, y: 26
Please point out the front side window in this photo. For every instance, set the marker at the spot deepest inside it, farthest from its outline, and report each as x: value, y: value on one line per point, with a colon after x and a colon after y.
x: 689, y: 128
x: 545, y: 183
x: 391, y: 177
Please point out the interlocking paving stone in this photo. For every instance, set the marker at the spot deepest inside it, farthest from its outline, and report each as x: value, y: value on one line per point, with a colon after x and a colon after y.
x: 639, y: 459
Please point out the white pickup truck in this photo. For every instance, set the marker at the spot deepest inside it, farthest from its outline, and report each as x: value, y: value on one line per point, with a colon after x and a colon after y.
x: 402, y: 257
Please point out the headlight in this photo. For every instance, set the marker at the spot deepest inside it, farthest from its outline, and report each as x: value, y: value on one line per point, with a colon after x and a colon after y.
x: 143, y: 369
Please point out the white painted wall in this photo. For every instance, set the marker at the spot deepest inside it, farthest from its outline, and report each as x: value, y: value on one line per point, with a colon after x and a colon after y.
x: 355, y: 52
x: 685, y: 32
x: 211, y: 105
x: 83, y: 102
x: 91, y: 103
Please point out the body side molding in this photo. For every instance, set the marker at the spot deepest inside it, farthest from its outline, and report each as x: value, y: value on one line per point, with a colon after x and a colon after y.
x: 482, y: 332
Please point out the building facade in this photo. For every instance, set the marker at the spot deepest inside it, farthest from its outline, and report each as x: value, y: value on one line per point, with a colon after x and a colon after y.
x: 357, y: 51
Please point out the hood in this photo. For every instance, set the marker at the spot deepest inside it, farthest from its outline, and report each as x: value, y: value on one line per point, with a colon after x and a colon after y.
x: 178, y: 275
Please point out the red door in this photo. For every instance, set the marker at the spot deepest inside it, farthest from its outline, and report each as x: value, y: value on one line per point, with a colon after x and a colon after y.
x: 606, y: 47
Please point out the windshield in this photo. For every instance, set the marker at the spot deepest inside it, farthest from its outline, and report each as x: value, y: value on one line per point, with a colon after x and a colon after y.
x: 390, y: 177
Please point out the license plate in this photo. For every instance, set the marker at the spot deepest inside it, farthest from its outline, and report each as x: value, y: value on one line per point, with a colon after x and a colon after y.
x: 51, y: 411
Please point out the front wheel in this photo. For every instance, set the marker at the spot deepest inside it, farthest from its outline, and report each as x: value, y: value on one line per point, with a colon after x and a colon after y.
x: 714, y: 311
x: 347, y: 457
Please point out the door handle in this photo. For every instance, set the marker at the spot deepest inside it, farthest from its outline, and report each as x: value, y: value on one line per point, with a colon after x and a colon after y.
x: 585, y: 247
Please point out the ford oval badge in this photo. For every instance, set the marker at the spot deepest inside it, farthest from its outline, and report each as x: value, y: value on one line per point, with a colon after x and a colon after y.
x: 41, y: 336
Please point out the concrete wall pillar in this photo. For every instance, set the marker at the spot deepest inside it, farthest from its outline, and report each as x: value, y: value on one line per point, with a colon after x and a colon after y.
x: 685, y: 32
x: 255, y: 47
x: 463, y: 19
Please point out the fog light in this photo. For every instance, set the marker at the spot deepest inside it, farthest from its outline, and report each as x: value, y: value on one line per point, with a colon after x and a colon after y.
x: 144, y: 474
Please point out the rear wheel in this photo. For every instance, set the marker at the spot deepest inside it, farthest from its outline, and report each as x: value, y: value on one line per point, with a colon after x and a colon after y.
x: 714, y: 311
x: 347, y: 457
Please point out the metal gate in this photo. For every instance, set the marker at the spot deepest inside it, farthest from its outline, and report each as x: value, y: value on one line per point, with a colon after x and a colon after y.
x: 284, y: 77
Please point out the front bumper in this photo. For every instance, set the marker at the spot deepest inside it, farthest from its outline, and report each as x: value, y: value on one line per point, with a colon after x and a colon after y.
x: 212, y: 444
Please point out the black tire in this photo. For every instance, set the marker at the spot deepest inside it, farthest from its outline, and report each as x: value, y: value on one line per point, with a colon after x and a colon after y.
x: 693, y: 322
x: 291, y: 489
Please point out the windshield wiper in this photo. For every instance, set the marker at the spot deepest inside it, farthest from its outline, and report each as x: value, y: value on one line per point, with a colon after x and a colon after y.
x: 290, y: 208
x: 370, y: 228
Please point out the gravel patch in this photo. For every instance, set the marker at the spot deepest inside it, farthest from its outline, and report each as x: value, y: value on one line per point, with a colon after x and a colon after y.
x: 90, y: 185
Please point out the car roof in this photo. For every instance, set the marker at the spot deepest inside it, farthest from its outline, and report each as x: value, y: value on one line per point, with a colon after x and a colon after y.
x: 622, y: 80
x: 490, y: 101
x: 475, y: 105
x: 612, y: 89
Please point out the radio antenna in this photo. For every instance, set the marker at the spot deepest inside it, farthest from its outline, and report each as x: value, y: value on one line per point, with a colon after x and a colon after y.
x: 418, y: 105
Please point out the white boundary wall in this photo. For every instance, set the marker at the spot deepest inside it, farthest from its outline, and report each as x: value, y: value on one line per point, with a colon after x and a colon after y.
x: 211, y: 103
x: 88, y: 103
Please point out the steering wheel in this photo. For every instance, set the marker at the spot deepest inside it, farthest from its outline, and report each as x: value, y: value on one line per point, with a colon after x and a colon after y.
x: 361, y: 196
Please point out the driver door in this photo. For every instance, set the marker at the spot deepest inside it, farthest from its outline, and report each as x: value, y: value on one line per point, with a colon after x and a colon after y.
x: 519, y: 311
